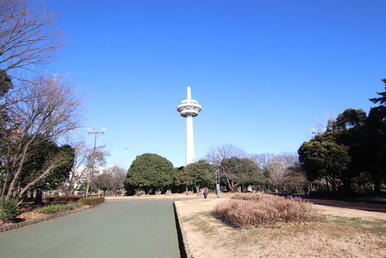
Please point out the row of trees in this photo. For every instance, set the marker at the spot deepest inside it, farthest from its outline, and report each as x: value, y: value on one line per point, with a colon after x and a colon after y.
x: 350, y: 155
x: 236, y: 171
x: 152, y: 173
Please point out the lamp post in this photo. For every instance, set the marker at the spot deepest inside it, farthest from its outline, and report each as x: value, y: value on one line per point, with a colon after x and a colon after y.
x: 218, y: 190
x: 95, y: 133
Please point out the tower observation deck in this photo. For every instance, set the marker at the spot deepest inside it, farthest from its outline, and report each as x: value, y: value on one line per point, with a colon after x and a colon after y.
x: 189, y: 108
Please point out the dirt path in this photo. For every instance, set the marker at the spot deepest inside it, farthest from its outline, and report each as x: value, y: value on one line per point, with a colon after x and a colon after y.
x: 351, y: 205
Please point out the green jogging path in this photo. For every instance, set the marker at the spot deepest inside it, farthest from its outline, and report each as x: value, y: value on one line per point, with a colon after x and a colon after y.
x: 117, y: 228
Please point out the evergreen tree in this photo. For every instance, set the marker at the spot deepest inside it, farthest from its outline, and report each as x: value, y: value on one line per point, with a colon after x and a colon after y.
x: 199, y: 174
x: 150, y: 172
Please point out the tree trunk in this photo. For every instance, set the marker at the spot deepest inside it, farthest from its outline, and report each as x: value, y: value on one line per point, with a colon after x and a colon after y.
x: 377, y: 186
x: 39, y: 197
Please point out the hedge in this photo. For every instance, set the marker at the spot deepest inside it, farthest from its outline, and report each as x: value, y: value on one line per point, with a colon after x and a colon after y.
x: 8, y: 210
x: 91, y: 201
x: 64, y: 199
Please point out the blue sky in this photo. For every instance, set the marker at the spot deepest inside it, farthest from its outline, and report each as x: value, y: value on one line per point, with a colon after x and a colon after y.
x: 265, y: 72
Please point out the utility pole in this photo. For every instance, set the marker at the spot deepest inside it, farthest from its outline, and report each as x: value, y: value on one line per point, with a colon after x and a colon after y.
x: 90, y: 175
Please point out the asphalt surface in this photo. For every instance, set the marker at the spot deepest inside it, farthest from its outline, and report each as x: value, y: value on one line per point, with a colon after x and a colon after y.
x: 122, y: 228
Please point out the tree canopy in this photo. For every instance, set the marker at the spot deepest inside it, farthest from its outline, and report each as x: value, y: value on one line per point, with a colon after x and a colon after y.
x: 149, y: 172
x: 5, y: 83
x: 240, y: 171
x: 41, y: 158
x: 350, y: 154
x: 200, y: 174
x: 382, y: 96
x: 324, y: 160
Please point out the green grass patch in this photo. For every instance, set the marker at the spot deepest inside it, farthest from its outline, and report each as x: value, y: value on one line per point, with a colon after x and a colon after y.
x: 55, y: 208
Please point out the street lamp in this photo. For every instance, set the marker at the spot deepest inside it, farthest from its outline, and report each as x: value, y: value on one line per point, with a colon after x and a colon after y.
x: 218, y: 190
x: 95, y: 133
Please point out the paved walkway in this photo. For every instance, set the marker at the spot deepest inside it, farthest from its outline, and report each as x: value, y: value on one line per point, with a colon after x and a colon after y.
x: 144, y: 228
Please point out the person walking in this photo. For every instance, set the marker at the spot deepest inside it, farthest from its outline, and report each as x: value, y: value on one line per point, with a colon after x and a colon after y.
x: 205, y: 192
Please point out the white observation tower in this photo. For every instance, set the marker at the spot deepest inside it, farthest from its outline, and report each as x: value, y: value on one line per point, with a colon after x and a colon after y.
x: 189, y: 108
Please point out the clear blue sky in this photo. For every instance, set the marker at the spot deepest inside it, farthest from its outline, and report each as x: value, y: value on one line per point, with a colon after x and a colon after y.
x: 265, y: 72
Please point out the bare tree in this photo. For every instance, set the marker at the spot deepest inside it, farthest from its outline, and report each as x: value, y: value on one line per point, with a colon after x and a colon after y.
x: 111, y: 180
x: 283, y: 171
x: 295, y: 178
x: 235, y: 166
x: 27, y: 35
x: 276, y: 170
x: 262, y: 160
x: 46, y: 110
x: 217, y: 154
x: 80, y: 172
x: 289, y: 159
x: 28, y: 38
x: 118, y: 177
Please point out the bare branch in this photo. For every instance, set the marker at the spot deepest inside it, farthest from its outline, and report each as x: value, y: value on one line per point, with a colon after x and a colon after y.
x: 47, y: 110
x: 27, y: 35
x: 217, y: 154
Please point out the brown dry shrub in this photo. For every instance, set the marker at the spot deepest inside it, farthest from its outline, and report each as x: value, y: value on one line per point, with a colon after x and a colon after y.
x: 262, y: 209
x: 249, y: 197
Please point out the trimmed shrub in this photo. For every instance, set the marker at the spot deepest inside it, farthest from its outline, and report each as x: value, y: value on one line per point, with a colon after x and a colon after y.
x: 49, y: 209
x: 8, y: 210
x: 55, y: 208
x: 91, y: 201
x: 261, y: 209
x: 63, y: 199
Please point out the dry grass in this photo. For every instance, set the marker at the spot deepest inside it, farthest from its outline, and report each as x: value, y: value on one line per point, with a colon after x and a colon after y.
x: 245, y: 210
x: 334, y: 236
x: 28, y: 215
x: 31, y: 215
x: 350, y: 213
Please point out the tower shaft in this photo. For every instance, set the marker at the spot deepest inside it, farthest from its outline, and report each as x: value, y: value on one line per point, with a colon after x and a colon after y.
x: 189, y: 108
x: 189, y: 154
